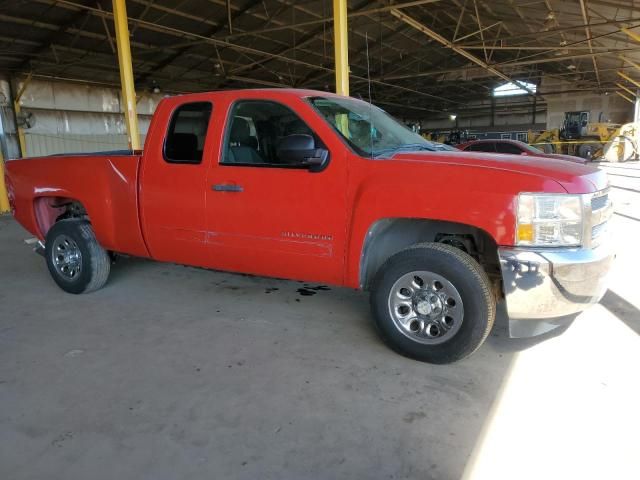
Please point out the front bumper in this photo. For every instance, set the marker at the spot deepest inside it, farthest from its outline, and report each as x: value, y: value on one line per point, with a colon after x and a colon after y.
x: 550, y: 285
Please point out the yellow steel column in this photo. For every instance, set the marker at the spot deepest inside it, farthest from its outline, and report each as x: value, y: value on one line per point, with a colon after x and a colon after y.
x: 126, y: 72
x: 4, y: 199
x: 341, y: 42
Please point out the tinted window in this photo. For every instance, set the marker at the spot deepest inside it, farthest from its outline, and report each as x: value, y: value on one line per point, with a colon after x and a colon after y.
x: 481, y: 147
x: 504, y: 147
x: 256, y: 128
x: 187, y: 133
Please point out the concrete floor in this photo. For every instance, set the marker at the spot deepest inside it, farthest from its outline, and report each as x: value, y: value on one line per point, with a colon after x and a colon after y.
x: 179, y: 373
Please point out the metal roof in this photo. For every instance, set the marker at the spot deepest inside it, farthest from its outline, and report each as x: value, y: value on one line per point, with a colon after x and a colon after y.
x: 422, y: 55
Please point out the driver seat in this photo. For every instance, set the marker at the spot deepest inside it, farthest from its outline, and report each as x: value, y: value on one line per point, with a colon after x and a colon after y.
x: 242, y: 146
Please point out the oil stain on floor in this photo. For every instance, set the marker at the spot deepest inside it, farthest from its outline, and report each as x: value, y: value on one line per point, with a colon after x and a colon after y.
x: 308, y: 290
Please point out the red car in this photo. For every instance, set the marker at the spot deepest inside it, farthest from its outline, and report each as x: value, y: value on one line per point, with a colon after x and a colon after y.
x: 312, y: 186
x: 513, y: 147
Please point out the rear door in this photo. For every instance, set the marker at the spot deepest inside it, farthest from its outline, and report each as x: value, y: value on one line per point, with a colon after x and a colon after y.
x: 267, y: 215
x: 173, y: 181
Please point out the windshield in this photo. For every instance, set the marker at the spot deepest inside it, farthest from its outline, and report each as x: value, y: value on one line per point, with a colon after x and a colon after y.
x: 370, y: 131
x: 532, y: 148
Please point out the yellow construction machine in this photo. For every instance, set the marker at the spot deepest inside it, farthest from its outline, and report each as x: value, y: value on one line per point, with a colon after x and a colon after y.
x: 592, y: 141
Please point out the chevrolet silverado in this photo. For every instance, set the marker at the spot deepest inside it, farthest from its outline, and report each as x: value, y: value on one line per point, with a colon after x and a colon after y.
x: 312, y: 186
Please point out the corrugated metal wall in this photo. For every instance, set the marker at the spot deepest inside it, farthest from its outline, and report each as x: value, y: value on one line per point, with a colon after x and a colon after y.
x: 78, y: 118
x: 39, y: 144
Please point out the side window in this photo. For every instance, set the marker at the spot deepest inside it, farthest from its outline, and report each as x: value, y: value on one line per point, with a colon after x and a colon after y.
x: 482, y: 147
x: 187, y: 133
x: 504, y: 147
x: 257, y: 131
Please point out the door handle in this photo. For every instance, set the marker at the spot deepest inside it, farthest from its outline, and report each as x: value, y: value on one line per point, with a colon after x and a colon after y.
x: 221, y: 187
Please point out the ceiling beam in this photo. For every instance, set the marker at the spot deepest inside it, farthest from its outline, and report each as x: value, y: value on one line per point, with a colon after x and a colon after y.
x: 182, y: 50
x: 440, y: 39
x: 626, y: 89
x: 587, y: 31
x: 629, y: 79
x: 319, y: 21
x: 561, y: 58
x: 628, y: 99
x: 632, y: 35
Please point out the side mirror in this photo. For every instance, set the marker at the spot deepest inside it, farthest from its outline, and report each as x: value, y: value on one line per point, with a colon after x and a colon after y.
x: 300, y: 149
x: 524, y: 153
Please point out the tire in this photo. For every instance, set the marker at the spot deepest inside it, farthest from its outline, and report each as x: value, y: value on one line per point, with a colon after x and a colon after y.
x: 76, y: 261
x: 547, y: 148
x: 589, y: 150
x: 619, y: 149
x: 463, y: 313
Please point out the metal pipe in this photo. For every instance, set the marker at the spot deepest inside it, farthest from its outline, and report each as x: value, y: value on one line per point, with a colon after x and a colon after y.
x: 533, y: 47
x: 482, y: 29
x: 126, y: 72
x: 628, y: 99
x: 628, y: 90
x: 631, y: 34
x: 4, y: 198
x: 587, y: 31
x: 629, y: 79
x: 341, y: 43
x: 630, y: 62
x: 22, y: 141
x: 229, y: 19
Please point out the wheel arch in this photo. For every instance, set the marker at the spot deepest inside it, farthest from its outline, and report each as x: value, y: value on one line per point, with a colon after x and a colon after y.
x: 50, y: 209
x: 388, y: 236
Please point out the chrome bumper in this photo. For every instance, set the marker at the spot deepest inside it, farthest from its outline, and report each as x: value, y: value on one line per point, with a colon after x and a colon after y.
x: 549, y: 285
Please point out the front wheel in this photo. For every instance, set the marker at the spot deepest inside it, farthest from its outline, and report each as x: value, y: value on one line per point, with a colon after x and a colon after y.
x: 433, y: 302
x: 76, y: 261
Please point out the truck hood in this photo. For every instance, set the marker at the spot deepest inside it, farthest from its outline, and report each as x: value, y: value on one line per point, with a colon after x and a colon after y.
x: 569, y: 158
x: 574, y: 177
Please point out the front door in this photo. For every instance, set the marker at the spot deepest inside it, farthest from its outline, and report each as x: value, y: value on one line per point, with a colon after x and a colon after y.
x: 268, y: 214
x: 174, y: 187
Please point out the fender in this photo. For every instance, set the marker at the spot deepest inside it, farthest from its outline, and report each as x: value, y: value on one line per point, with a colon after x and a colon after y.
x: 106, y: 186
x: 479, y: 197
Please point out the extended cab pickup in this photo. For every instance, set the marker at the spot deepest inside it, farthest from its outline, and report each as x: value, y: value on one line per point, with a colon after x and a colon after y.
x: 312, y: 186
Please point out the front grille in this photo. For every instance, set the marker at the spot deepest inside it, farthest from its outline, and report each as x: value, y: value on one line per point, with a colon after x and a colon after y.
x: 601, y: 212
x: 599, y: 202
x: 598, y: 230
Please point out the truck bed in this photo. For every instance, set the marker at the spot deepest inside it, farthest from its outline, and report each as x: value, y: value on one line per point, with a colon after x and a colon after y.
x: 108, y: 153
x: 104, y: 183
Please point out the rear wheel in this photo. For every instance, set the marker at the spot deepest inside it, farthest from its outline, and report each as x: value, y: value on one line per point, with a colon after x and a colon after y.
x: 433, y: 302
x: 76, y: 261
x: 589, y: 150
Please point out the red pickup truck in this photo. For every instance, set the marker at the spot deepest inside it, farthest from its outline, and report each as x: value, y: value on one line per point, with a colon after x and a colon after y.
x: 313, y: 186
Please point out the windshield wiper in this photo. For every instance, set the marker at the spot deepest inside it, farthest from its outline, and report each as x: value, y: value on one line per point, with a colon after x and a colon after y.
x: 405, y: 146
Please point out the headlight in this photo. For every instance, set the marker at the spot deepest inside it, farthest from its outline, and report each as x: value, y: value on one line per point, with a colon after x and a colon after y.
x: 545, y: 220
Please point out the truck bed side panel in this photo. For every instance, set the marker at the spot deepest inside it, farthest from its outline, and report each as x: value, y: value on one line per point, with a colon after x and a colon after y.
x: 106, y: 185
